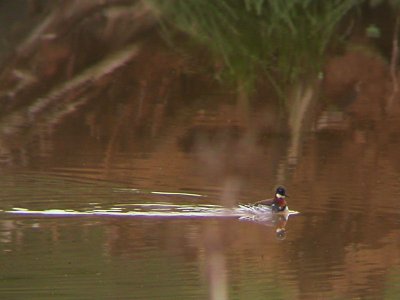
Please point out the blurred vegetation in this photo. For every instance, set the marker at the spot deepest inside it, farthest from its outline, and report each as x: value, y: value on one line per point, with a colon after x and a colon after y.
x: 285, y: 41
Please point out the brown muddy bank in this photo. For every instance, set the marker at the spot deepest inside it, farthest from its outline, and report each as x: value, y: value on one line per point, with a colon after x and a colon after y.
x: 107, y: 66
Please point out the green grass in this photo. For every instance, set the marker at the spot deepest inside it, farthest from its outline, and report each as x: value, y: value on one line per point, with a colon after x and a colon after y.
x: 283, y: 41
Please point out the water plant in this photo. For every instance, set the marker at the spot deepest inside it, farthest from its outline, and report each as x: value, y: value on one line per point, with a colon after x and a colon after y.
x: 283, y: 41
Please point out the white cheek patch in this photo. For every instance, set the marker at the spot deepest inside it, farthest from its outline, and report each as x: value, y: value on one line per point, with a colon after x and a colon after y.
x: 279, y: 196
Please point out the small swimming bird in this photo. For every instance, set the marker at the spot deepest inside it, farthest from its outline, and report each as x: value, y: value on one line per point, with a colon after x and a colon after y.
x: 278, y: 203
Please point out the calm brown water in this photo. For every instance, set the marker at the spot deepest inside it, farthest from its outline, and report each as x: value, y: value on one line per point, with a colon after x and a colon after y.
x: 344, y: 245
x: 140, y: 147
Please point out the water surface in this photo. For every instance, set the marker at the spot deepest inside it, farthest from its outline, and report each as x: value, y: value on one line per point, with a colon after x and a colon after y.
x: 123, y: 163
x: 344, y: 244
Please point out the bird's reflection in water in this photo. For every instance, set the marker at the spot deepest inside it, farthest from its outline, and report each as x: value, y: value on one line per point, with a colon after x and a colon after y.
x: 278, y: 221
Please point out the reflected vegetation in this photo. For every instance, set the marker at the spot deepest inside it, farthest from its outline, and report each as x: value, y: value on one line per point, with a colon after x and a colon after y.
x: 116, y: 106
